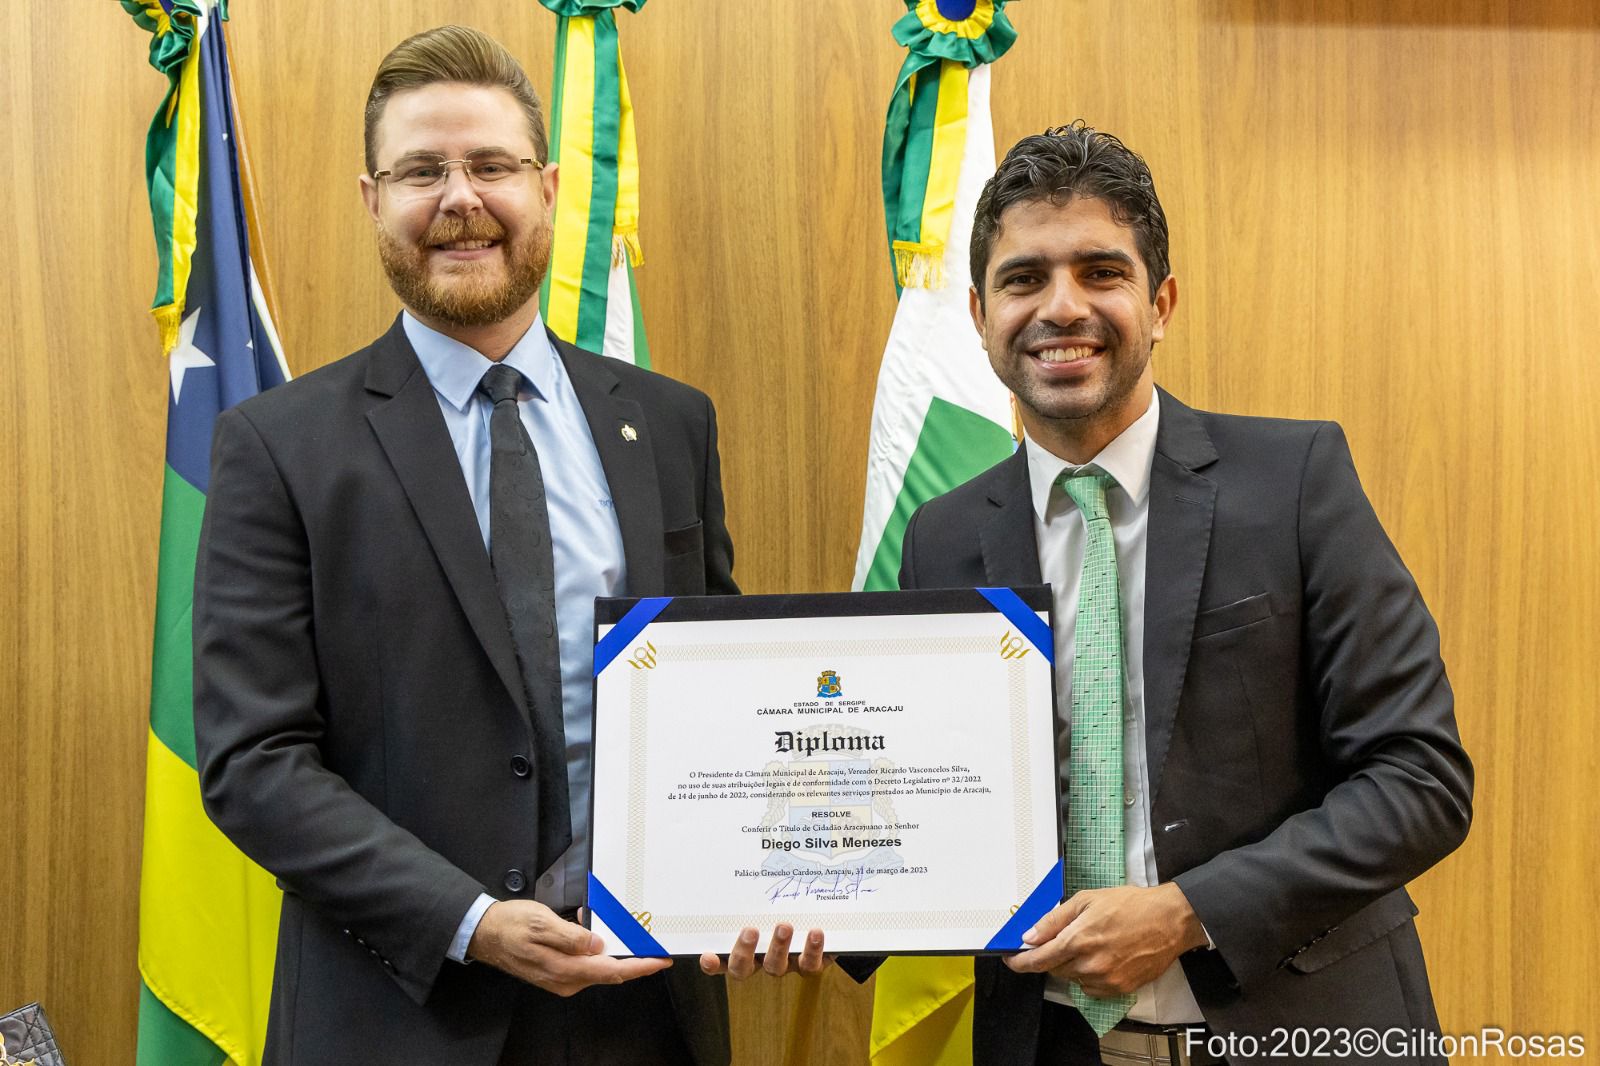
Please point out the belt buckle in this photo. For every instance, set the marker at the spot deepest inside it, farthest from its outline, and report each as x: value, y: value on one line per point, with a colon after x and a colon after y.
x: 1141, y: 1044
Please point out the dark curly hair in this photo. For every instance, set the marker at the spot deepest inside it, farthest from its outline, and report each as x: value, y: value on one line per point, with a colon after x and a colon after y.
x: 1069, y: 161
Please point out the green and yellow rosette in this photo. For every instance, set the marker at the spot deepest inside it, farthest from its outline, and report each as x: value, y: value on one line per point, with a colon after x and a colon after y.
x: 592, y: 138
x: 924, y: 136
x: 172, y: 149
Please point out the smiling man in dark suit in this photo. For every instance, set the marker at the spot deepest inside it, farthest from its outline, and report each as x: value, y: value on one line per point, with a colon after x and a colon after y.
x: 394, y: 610
x: 1276, y: 737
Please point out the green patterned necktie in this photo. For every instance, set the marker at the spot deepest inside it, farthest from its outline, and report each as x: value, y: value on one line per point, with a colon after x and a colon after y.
x: 1095, y: 854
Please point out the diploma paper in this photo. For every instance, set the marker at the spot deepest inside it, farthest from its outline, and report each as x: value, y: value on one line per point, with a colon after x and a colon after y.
x: 881, y: 766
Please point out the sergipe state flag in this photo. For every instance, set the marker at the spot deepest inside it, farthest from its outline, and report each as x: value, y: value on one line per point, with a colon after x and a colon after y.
x: 207, y: 915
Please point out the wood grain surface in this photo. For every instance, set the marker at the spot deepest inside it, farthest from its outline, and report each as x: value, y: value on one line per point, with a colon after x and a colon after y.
x: 1383, y: 212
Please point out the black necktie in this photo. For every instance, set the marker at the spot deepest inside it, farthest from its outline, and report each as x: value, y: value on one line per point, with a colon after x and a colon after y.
x: 525, y: 571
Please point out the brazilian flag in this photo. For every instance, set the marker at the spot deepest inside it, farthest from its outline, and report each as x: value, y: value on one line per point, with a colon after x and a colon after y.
x: 589, y: 297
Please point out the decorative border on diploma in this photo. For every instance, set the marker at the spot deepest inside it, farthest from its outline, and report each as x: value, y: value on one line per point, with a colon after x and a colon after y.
x: 1044, y: 896
x: 628, y: 629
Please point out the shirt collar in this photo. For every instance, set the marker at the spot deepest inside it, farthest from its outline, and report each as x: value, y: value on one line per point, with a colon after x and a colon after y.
x: 1127, y: 459
x: 454, y: 369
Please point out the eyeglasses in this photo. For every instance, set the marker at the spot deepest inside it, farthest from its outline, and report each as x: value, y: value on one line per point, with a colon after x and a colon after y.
x: 421, y: 176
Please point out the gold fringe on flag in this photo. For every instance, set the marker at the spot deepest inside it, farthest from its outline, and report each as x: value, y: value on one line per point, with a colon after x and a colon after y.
x: 919, y: 264
x: 626, y: 246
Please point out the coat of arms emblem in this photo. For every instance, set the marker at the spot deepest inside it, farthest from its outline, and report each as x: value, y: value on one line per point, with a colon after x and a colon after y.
x: 828, y: 685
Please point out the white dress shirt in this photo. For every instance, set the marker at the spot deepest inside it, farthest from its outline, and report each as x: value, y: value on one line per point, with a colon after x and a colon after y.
x: 1060, y: 530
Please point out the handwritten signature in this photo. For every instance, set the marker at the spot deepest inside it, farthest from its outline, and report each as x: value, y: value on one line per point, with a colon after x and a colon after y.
x: 821, y: 884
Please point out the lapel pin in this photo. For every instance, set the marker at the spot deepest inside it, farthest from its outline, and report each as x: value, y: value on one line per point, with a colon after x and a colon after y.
x: 629, y: 434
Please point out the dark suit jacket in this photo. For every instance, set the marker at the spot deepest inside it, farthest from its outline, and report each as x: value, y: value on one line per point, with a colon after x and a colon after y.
x: 1304, y: 760
x: 357, y: 697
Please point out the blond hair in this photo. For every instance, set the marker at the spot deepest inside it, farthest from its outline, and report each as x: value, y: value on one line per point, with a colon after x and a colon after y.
x: 451, y: 54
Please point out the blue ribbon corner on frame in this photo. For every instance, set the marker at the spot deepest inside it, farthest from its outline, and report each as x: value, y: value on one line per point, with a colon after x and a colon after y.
x: 630, y: 626
x: 1028, y: 623
x: 637, y: 939
x: 1036, y: 906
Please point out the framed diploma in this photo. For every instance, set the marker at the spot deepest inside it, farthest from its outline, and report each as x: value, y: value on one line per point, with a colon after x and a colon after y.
x: 878, y: 765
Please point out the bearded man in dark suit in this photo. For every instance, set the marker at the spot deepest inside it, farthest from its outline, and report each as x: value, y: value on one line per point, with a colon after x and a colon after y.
x: 394, y: 612
x: 1288, y: 744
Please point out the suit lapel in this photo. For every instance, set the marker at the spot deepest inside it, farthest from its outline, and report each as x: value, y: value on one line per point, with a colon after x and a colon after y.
x: 1010, y: 546
x: 412, y: 433
x: 627, y: 454
x: 1182, y: 503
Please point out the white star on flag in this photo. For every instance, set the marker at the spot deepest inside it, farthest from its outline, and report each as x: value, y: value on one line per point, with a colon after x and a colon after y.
x: 185, y: 356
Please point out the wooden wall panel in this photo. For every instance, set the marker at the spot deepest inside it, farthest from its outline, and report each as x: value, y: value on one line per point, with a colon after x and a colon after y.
x: 1382, y: 212
x: 81, y: 439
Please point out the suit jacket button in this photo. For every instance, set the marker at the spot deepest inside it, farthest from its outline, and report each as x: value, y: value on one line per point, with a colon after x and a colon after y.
x: 515, y: 882
x: 520, y: 766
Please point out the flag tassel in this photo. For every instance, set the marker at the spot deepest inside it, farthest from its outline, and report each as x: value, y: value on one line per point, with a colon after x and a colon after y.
x: 625, y: 246
x: 919, y: 264
x: 169, y: 319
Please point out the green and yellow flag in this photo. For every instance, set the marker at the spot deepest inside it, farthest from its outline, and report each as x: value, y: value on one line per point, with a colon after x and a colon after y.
x: 589, y: 297
x: 940, y: 417
x: 208, y: 917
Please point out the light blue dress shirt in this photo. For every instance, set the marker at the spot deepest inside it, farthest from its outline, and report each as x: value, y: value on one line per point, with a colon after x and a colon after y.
x: 583, y: 531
